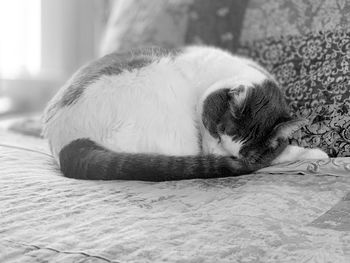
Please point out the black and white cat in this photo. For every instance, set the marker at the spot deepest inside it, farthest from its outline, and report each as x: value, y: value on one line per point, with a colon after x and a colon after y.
x: 157, y: 115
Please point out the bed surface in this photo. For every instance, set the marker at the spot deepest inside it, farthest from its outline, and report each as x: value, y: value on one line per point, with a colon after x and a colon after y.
x: 288, y: 213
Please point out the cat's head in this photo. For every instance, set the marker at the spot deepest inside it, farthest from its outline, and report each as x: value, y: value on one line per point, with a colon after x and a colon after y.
x: 250, y: 121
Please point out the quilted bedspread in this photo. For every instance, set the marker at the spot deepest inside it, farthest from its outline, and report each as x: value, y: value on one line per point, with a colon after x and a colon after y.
x: 295, y: 212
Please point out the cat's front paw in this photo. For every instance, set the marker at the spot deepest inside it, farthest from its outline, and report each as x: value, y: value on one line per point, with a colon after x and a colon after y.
x: 314, y: 154
x: 295, y: 153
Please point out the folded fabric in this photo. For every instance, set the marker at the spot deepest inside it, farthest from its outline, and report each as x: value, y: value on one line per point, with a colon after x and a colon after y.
x: 333, y: 167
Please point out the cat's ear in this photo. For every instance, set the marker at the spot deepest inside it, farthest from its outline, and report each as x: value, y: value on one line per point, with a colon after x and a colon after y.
x: 237, y: 100
x: 285, y: 129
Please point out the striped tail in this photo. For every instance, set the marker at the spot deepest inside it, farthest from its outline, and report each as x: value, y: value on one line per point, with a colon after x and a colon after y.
x: 84, y: 159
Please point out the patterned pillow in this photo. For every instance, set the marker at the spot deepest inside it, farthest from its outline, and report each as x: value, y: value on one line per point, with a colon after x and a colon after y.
x: 271, y: 18
x: 314, y: 70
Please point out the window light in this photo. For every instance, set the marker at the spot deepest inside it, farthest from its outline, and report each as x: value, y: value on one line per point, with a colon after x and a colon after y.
x: 20, y: 38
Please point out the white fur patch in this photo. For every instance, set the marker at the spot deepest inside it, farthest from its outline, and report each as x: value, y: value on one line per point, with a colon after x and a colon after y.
x: 296, y: 153
x: 211, y: 145
x: 145, y: 111
x: 232, y: 147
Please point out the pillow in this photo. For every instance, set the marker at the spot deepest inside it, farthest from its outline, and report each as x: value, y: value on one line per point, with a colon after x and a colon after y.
x: 271, y: 18
x: 314, y: 72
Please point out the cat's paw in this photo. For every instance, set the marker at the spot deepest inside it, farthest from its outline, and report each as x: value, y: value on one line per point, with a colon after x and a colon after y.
x: 295, y: 153
x: 314, y: 154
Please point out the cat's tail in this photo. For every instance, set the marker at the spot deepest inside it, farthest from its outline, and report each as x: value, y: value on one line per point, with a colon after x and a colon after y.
x: 85, y: 159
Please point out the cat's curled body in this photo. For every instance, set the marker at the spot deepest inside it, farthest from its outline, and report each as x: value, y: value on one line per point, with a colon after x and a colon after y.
x: 159, y: 115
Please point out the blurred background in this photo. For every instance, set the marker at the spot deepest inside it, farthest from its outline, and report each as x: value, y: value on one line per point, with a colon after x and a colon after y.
x: 42, y: 42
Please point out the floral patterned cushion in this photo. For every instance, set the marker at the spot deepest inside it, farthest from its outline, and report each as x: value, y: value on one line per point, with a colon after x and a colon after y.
x: 225, y: 23
x: 269, y: 18
x: 314, y: 72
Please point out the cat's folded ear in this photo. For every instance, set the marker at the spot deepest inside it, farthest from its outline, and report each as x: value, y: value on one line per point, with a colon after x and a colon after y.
x: 285, y: 130
x: 237, y: 100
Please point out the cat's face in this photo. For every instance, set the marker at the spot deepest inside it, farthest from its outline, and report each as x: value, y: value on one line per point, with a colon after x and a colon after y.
x: 250, y: 121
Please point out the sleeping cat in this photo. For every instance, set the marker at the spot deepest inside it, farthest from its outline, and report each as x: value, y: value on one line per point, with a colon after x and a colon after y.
x: 157, y: 115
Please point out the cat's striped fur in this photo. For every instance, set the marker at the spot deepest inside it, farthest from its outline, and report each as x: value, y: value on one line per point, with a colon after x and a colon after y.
x: 97, y: 162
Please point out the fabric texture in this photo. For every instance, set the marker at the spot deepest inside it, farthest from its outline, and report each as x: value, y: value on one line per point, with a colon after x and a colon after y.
x: 270, y: 18
x: 294, y: 212
x: 313, y: 70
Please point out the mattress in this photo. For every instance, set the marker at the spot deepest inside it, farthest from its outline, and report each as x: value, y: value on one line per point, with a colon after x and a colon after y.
x: 294, y: 212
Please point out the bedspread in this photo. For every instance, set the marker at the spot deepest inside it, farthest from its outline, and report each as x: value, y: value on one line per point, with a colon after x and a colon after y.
x: 295, y: 212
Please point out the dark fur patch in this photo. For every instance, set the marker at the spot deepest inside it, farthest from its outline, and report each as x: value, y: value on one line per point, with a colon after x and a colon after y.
x: 214, y: 107
x: 112, y: 64
x: 264, y: 109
